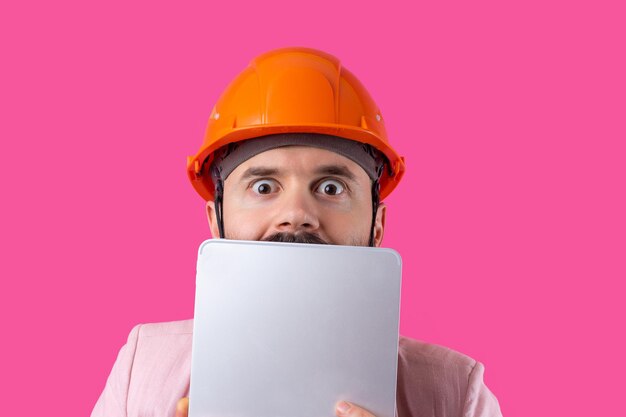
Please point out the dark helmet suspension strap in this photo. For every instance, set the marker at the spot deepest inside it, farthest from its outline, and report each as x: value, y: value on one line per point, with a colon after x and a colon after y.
x: 219, y: 200
x: 375, y: 202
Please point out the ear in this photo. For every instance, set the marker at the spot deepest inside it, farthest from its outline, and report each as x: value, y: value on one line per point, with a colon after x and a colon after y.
x: 212, y: 219
x: 379, y: 225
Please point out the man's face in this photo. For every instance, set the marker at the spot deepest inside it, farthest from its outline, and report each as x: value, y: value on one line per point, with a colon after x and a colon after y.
x: 297, y: 191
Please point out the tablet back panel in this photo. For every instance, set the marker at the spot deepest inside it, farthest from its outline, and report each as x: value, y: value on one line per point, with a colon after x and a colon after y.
x: 284, y: 330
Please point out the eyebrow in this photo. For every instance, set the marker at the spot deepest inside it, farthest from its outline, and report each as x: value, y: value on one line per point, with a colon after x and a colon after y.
x: 253, y: 172
x: 336, y: 170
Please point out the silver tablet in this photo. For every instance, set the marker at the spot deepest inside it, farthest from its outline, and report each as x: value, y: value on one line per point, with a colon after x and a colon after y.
x: 284, y: 330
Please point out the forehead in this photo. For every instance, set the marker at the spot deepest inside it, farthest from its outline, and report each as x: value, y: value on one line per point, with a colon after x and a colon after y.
x: 300, y: 160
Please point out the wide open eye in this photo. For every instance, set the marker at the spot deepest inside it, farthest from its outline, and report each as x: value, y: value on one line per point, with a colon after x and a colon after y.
x: 330, y: 187
x: 264, y: 186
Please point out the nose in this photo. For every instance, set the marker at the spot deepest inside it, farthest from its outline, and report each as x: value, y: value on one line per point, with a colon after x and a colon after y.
x: 297, y: 213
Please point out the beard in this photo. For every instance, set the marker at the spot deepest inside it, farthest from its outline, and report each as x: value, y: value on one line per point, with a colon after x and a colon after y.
x: 302, y: 237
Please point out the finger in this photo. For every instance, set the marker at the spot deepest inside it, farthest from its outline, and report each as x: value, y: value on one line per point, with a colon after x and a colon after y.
x: 182, y: 407
x: 346, y: 409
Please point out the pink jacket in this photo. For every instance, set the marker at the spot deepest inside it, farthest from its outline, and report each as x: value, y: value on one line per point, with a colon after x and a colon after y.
x: 152, y: 370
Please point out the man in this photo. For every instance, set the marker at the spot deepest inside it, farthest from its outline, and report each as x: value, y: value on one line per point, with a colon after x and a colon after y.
x: 295, y: 150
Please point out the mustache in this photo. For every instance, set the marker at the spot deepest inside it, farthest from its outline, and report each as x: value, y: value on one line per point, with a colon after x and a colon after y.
x: 302, y: 237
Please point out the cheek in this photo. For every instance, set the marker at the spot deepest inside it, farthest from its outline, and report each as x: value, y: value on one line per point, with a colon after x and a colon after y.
x: 348, y: 227
x: 244, y: 223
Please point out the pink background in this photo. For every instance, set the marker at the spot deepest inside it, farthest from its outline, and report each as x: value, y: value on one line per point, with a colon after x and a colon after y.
x: 510, y: 219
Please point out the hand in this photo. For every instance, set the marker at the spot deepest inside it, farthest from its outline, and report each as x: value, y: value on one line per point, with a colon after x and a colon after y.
x: 182, y: 407
x: 342, y: 409
x: 346, y: 409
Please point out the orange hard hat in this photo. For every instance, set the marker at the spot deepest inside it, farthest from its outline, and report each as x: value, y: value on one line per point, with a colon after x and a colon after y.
x: 294, y: 90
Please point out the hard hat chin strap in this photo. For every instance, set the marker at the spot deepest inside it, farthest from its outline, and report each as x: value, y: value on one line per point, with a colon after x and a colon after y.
x: 375, y: 203
x: 219, y: 200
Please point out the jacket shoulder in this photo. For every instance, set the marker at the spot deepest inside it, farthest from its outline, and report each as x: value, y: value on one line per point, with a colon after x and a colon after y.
x: 432, y: 380
x: 421, y: 354
x: 161, y: 368
x: 182, y: 327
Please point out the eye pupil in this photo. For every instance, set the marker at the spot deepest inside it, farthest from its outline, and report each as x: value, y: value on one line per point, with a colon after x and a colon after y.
x: 263, y: 189
x: 330, y: 189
